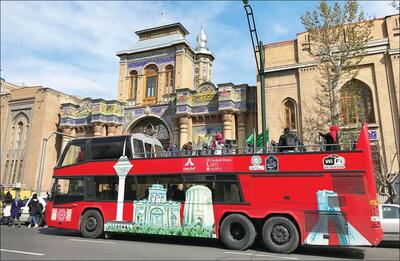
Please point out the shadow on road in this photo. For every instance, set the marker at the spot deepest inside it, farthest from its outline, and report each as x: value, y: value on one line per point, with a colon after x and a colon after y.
x: 390, y: 244
x: 173, y: 240
x: 337, y: 252
x: 59, y: 232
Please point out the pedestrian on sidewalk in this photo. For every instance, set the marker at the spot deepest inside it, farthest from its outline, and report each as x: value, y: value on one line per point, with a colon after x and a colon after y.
x: 35, y: 209
x: 16, y: 211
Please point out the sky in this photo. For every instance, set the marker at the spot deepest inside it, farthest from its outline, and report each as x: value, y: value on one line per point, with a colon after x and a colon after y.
x: 70, y: 46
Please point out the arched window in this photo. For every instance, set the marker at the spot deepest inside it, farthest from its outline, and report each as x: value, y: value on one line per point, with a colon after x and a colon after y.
x: 290, y: 113
x: 133, y: 82
x: 151, y: 73
x: 18, y: 138
x: 169, y: 79
x: 356, y: 103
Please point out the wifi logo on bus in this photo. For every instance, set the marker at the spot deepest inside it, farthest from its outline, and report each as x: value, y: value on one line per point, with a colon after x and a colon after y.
x: 334, y: 162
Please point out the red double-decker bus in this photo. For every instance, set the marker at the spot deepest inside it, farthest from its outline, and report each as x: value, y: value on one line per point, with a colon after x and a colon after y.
x: 126, y: 184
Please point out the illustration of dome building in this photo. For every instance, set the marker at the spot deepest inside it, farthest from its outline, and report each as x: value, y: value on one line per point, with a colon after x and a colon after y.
x: 156, y: 211
x: 198, y: 207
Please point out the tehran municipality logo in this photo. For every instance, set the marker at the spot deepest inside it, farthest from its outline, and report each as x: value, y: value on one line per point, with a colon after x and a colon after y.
x: 334, y: 161
x: 189, y: 165
x: 256, y: 162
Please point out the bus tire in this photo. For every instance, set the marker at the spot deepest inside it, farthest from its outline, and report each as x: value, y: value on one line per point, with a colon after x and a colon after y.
x: 92, y: 224
x: 237, y: 232
x: 280, y: 235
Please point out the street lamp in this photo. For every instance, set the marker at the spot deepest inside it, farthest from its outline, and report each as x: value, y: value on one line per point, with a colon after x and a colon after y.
x: 258, y: 49
x: 42, y: 156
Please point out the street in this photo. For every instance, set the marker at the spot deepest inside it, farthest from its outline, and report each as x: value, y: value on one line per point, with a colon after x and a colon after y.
x: 51, y: 244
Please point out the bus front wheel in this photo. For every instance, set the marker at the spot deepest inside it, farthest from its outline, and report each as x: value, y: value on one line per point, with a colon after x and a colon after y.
x: 237, y: 232
x: 280, y: 235
x: 92, y: 224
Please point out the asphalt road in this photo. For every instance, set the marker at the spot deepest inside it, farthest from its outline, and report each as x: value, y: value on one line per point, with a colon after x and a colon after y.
x: 51, y: 244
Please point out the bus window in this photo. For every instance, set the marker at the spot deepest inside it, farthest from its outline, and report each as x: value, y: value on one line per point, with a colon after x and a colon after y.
x: 224, y: 188
x: 110, y: 148
x: 75, y: 153
x: 130, y: 188
x: 106, y: 188
x: 169, y: 183
x: 226, y: 192
x: 149, y: 150
x: 138, y: 150
x: 73, y: 186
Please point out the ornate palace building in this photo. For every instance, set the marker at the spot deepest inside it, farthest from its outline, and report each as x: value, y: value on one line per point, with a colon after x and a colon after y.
x: 373, y: 96
x: 165, y: 89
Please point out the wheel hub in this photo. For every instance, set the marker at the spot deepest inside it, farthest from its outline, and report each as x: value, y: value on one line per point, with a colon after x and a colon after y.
x: 280, y: 234
x: 91, y: 223
x: 237, y: 231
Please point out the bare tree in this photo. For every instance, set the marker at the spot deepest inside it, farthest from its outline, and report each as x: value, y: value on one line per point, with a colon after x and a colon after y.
x: 386, y: 177
x: 338, y: 35
x: 395, y: 4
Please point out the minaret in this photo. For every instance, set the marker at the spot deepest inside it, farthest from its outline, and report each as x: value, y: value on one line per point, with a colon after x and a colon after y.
x: 203, y: 60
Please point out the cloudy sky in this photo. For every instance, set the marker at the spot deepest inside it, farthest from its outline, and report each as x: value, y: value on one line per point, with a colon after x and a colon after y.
x: 70, y: 46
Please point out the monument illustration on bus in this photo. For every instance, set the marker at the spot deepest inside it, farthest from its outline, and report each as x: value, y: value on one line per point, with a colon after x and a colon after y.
x: 157, y: 215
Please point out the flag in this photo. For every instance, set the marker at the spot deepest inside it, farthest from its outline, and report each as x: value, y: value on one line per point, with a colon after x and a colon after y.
x: 250, y: 139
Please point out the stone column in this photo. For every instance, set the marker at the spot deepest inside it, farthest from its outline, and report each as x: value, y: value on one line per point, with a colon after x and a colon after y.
x: 80, y: 131
x: 176, y: 128
x: 68, y: 131
x: 183, y: 124
x: 241, y: 132
x: 227, y: 121
x: 111, y: 130
x: 98, y: 129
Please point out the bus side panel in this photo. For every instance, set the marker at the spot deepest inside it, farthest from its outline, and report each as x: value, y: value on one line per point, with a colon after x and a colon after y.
x: 280, y: 194
x: 68, y: 215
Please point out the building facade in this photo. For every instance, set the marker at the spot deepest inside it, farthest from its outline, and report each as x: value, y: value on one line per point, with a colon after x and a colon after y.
x: 29, y: 114
x: 165, y: 89
x: 291, y: 87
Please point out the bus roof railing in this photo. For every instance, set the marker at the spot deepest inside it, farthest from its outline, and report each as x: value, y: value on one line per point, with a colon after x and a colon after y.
x: 247, y: 150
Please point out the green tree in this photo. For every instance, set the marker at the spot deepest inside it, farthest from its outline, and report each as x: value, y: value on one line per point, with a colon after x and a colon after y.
x: 338, y: 35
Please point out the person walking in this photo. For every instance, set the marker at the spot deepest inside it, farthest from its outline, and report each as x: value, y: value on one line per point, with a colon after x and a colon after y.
x: 331, y: 138
x: 16, y: 211
x: 35, y: 209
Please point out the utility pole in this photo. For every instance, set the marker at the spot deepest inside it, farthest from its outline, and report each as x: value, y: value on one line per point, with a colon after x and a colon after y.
x: 258, y: 49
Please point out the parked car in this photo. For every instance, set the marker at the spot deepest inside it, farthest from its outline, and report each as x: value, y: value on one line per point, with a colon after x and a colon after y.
x: 390, y: 215
x: 25, y: 217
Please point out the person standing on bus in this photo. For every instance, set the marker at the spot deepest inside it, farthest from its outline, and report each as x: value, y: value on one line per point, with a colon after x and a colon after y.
x: 218, y: 144
x: 35, y: 208
x: 81, y: 155
x: 187, y: 148
x: 172, y: 150
x: 288, y: 141
x: 331, y: 138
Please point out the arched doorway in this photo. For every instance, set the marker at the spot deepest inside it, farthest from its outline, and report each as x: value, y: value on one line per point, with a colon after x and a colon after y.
x: 154, y: 127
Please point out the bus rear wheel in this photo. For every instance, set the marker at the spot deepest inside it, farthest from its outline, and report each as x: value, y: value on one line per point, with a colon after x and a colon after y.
x: 237, y: 232
x: 92, y: 224
x: 280, y: 235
